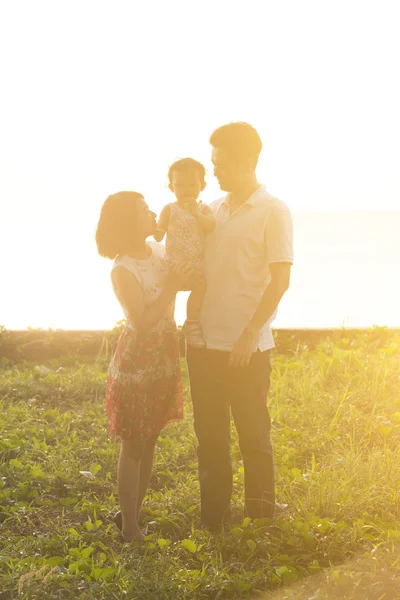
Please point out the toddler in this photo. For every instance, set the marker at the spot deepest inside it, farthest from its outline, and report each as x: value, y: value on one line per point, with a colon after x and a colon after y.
x: 185, y: 223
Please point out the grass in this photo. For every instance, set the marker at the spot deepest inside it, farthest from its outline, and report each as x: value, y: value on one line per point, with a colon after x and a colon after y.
x: 336, y: 435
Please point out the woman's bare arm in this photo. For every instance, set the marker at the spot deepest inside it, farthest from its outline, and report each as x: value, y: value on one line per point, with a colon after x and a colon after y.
x: 130, y: 295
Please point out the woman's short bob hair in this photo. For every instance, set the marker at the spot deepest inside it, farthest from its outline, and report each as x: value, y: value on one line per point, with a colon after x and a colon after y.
x: 116, y: 227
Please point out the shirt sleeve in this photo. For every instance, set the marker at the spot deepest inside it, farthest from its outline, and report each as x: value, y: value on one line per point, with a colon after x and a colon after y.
x: 279, y: 236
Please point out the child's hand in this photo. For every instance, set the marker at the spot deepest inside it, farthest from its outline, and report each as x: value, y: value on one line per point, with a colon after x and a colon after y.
x: 191, y: 206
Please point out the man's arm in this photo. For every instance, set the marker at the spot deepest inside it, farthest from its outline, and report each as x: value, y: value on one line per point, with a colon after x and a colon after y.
x: 280, y: 280
x: 130, y: 295
x: 244, y: 347
x: 279, y: 252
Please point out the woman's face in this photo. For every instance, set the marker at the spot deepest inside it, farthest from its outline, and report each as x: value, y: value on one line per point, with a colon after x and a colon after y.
x: 145, y: 220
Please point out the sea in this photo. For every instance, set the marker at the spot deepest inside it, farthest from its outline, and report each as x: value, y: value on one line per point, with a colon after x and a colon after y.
x: 346, y: 273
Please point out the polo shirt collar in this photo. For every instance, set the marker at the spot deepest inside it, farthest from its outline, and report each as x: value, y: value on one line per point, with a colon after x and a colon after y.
x: 252, y: 200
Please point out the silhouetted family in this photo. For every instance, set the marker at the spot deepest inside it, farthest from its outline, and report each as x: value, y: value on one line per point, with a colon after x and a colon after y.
x: 234, y: 256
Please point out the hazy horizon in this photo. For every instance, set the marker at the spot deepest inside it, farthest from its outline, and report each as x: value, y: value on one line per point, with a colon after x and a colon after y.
x: 345, y: 273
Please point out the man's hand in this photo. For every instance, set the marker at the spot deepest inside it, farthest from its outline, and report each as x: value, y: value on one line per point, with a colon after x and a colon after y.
x: 243, y: 348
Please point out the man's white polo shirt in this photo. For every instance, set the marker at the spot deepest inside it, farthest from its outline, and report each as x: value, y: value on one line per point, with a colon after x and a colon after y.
x: 237, y: 257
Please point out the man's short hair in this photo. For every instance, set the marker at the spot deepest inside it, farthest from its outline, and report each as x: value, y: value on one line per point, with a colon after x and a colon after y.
x: 240, y: 138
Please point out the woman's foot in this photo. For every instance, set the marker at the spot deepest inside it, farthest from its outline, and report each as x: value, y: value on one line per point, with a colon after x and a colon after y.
x: 134, y: 535
x: 118, y: 522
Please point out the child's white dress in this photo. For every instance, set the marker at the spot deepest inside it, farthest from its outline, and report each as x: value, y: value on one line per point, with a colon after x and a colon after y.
x: 185, y: 238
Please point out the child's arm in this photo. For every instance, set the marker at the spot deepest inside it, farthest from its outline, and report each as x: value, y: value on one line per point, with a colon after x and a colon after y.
x: 162, y: 223
x: 204, y: 217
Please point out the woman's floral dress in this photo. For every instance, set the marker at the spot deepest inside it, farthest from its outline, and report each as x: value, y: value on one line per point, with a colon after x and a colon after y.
x: 144, y: 386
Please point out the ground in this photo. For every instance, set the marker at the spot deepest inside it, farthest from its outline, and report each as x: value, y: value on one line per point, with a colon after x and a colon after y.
x: 335, y: 406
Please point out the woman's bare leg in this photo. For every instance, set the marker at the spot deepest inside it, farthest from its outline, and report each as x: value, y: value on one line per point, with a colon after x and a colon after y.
x: 193, y: 330
x: 128, y: 490
x: 146, y: 466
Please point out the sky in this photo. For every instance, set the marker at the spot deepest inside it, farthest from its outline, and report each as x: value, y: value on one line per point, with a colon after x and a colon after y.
x: 102, y: 96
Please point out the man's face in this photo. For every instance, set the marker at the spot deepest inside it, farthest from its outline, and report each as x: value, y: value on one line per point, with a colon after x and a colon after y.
x: 228, y: 170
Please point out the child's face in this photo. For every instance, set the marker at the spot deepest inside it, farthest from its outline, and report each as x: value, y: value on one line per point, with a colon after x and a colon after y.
x: 186, y: 186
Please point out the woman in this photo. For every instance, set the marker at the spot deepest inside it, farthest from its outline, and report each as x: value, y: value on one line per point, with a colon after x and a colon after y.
x: 144, y: 386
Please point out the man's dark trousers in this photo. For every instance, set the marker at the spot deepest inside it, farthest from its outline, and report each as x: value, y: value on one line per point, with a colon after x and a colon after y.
x: 215, y: 389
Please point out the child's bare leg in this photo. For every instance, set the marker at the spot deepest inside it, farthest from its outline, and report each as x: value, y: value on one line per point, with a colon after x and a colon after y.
x: 128, y: 490
x: 193, y: 332
x: 195, y: 301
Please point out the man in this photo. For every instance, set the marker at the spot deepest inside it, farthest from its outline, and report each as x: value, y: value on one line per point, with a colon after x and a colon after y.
x: 248, y: 258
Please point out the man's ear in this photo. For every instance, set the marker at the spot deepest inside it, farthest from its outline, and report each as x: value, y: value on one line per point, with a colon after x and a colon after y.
x: 203, y: 185
x: 250, y: 165
x: 170, y: 187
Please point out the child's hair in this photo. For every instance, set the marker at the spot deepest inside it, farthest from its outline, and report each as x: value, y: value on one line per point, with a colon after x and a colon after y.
x: 187, y: 165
